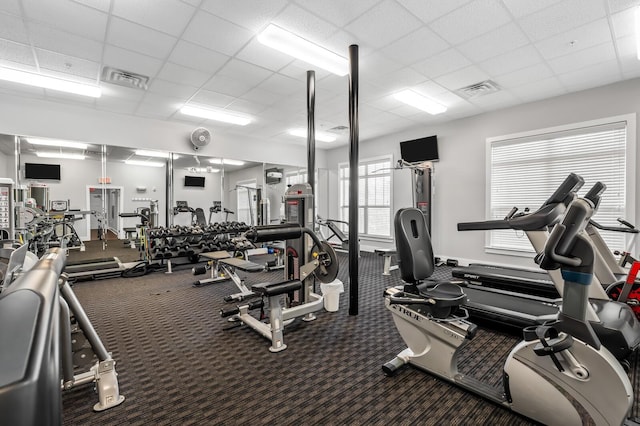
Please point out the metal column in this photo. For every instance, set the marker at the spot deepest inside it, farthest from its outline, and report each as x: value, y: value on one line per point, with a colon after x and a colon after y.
x: 353, y: 180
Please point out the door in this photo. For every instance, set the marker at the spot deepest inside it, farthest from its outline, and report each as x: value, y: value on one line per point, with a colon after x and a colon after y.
x: 107, y: 211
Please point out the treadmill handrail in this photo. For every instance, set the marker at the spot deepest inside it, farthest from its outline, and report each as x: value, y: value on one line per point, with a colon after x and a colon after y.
x: 547, y: 215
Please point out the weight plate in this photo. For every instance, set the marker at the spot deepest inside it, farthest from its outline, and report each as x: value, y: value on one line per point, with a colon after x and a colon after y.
x: 327, y: 271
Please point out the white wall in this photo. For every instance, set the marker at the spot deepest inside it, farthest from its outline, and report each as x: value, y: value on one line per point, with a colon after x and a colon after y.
x: 461, y: 172
x: 195, y: 196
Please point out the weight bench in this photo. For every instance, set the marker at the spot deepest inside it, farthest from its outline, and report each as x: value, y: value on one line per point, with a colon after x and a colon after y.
x: 387, y: 254
x: 223, y: 267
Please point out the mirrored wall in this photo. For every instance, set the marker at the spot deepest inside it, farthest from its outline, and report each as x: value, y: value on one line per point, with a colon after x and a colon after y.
x: 106, y: 187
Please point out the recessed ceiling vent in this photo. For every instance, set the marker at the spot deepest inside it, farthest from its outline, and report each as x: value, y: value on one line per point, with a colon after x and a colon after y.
x: 339, y: 129
x: 479, y: 89
x: 124, y: 78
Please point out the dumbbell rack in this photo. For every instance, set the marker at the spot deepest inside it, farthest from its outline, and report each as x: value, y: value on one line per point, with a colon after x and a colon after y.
x: 188, y: 242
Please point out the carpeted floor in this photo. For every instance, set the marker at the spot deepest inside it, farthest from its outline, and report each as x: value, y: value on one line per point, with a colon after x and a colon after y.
x: 179, y: 363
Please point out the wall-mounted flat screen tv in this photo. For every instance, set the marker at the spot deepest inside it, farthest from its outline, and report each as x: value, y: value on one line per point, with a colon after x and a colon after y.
x: 42, y: 171
x: 417, y: 150
x: 197, y: 181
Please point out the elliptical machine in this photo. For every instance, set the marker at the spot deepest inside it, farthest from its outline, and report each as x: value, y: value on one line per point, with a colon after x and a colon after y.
x: 559, y: 374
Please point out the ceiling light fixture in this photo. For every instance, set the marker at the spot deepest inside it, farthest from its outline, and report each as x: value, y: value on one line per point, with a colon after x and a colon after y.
x: 321, y: 136
x: 415, y: 100
x: 217, y: 115
x: 57, y: 143
x: 293, y: 45
x: 155, y: 154
x: 47, y: 82
x: 60, y: 155
x: 143, y: 163
x: 226, y: 161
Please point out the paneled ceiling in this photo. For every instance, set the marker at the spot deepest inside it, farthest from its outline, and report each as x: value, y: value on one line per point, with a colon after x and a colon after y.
x: 205, y: 52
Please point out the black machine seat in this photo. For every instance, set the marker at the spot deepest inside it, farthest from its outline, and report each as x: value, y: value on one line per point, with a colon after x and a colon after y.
x: 274, y: 289
x: 417, y: 264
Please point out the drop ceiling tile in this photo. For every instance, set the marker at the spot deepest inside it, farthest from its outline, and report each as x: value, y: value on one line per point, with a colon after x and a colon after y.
x: 471, y: 20
x: 524, y: 75
x: 11, y: 6
x: 195, y: 3
x: 169, y: 88
x: 594, y: 33
x: 495, y: 100
x: 415, y: 47
x: 139, y: 39
x: 250, y: 14
x: 539, y: 90
x: 575, y: 61
x: 261, y: 96
x: 618, y: 5
x: 398, y: 80
x: 520, y: 8
x: 157, y: 106
x: 305, y: 24
x: 443, y: 63
x: 66, y: 64
x: 228, y: 85
x: 131, y: 61
x: 216, y: 34
x: 212, y: 99
x: 430, y: 10
x: 282, y: 85
x: 383, y: 24
x: 168, y: 16
x: 182, y: 75
x: 125, y: 93
x: 516, y: 59
x: 12, y: 28
x: 246, y: 107
x: 102, y: 5
x: 16, y: 53
x: 623, y: 23
x: 377, y: 63
x: 55, y: 40
x: 627, y: 54
x: 339, y: 13
x: 462, y: 78
x: 258, y: 54
x: 298, y: 70
x: 193, y: 56
x: 591, y: 76
x: 561, y: 17
x: 430, y: 88
x: 68, y: 16
x: 118, y: 105
x: 251, y: 74
x: 494, y: 43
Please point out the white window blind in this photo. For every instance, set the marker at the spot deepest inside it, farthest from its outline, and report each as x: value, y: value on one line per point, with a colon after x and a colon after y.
x: 294, y: 178
x: 374, y: 196
x: 524, y: 172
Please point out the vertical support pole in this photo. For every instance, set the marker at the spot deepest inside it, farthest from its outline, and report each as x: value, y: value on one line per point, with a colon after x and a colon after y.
x: 311, y: 139
x: 169, y: 192
x: 353, y: 180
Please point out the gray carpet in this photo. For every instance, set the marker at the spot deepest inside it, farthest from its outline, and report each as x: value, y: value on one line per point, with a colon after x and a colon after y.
x: 179, y: 363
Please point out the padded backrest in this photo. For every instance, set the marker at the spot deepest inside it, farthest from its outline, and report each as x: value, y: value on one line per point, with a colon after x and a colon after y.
x: 413, y: 244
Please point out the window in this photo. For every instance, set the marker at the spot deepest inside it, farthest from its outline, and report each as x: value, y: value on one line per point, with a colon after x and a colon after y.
x: 526, y: 169
x: 374, y: 196
x: 246, y: 192
x: 296, y: 177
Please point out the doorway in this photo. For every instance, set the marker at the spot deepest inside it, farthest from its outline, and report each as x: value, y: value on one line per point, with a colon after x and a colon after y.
x: 113, y: 203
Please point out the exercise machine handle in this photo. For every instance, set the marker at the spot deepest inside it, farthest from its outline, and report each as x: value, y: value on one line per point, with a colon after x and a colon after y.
x: 401, y: 298
x: 627, y: 224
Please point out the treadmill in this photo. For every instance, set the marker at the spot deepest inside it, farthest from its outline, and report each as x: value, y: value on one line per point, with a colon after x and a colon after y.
x: 614, y: 322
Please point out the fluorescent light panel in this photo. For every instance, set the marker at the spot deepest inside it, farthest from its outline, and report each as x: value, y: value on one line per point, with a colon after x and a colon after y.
x: 60, y: 155
x: 226, y: 161
x: 57, y: 143
x: 155, y: 154
x: 143, y: 163
x: 47, y: 82
x: 293, y: 45
x: 415, y: 100
x: 217, y: 115
x: 320, y: 136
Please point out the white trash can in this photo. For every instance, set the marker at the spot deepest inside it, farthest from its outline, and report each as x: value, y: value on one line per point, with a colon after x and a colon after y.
x: 331, y: 294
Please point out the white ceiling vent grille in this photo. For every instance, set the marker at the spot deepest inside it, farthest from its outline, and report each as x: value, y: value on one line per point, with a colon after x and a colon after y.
x: 479, y: 89
x: 124, y: 78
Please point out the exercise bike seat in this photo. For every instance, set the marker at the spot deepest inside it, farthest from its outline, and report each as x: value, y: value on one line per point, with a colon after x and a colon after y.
x: 438, y: 302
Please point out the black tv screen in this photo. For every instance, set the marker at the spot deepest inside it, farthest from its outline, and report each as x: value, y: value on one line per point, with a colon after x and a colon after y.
x: 42, y: 171
x: 194, y: 181
x: 417, y: 150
